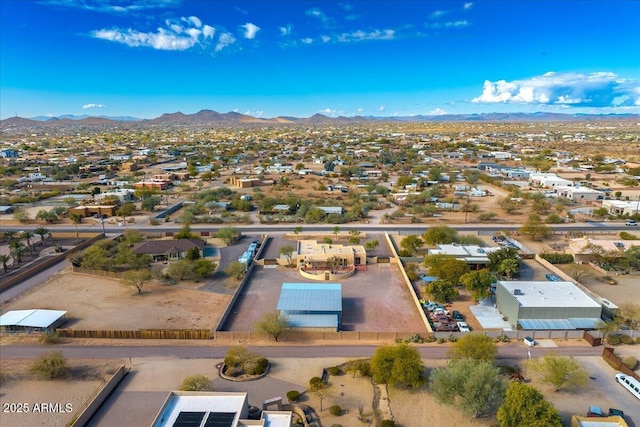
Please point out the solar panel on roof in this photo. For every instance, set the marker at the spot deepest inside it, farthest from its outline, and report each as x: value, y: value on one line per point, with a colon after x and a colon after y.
x: 189, y: 419
x: 220, y: 419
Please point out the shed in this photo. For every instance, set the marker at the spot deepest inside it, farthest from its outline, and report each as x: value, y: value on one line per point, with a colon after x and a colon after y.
x: 31, y: 320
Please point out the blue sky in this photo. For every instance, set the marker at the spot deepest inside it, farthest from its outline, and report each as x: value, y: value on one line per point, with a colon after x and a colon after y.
x: 299, y: 57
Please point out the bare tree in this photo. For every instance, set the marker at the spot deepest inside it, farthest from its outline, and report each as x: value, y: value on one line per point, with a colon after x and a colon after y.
x: 136, y: 278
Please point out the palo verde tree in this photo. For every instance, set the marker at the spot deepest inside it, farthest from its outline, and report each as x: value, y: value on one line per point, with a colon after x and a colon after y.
x: 525, y: 406
x: 479, y: 348
x: 273, y: 324
x: 287, y: 251
x: 441, y: 234
x: 446, y: 268
x: 397, y: 365
x: 136, y: 279
x: 478, y: 283
x: 474, y: 387
x: 559, y: 371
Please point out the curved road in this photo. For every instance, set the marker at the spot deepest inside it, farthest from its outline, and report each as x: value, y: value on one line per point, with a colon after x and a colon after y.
x: 434, y: 351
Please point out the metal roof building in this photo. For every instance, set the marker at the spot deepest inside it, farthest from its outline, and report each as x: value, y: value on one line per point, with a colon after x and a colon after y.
x: 312, y: 305
x: 547, y: 305
x: 31, y: 320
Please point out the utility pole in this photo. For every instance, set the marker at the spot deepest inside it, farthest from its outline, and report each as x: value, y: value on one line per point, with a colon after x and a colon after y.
x: 101, y: 220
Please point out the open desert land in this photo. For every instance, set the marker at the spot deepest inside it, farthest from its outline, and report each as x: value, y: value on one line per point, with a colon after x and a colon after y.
x: 101, y: 303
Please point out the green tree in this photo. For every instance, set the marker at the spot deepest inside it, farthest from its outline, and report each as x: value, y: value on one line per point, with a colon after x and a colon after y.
x: 524, y: 406
x: 136, y: 279
x: 475, y: 387
x: 95, y: 258
x: 181, y: 270
x: 46, y: 216
x: 185, y: 233
x: 496, y: 257
x: 322, y: 390
x: 149, y: 203
x: 229, y: 235
x: 236, y: 269
x: 203, y: 267
x: 535, y: 228
x: 446, y: 268
x: 559, y: 371
x: 196, y: 382
x: 76, y: 219
x: 287, y: 251
x: 193, y: 254
x: 397, y: 365
x: 4, y: 259
x: 509, y: 267
x: 371, y: 245
x: 478, y: 283
x: 441, y: 291
x: 42, y: 232
x: 411, y: 243
x: 125, y: 210
x: 273, y: 323
x: 441, y: 234
x: 297, y: 230
x: 475, y: 347
x: 16, y: 249
x: 50, y: 366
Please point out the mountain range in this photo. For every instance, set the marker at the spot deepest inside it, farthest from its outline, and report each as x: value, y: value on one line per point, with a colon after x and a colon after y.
x: 210, y: 117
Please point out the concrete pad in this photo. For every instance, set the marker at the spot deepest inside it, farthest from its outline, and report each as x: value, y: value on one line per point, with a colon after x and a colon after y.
x: 489, y: 316
x: 546, y: 343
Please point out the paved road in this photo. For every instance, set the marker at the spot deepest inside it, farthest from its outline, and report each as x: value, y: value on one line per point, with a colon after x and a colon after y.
x: 32, y: 282
x: 513, y: 351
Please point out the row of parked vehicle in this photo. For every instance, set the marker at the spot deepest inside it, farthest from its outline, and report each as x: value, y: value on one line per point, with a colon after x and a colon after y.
x: 442, y: 320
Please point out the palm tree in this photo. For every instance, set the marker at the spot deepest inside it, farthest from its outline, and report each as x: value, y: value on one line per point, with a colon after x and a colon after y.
x: 28, y: 235
x: 77, y: 219
x: 16, y: 248
x: 509, y: 267
x: 10, y: 235
x: 4, y: 259
x: 42, y: 231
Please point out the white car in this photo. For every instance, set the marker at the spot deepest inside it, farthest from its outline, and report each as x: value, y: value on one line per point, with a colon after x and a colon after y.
x: 463, y: 327
x: 631, y: 223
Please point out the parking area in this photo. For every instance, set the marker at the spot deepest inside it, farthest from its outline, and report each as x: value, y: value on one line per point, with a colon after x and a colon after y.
x: 372, y: 300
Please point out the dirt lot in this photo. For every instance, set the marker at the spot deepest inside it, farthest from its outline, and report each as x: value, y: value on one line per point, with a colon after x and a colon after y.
x: 102, y: 303
x: 71, y: 394
x: 373, y: 300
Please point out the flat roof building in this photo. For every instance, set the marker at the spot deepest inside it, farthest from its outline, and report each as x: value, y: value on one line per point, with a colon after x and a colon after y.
x: 31, y: 320
x: 214, y: 409
x: 547, y: 305
x: 471, y: 254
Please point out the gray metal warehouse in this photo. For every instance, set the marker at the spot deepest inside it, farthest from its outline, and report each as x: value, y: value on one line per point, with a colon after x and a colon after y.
x: 547, y: 305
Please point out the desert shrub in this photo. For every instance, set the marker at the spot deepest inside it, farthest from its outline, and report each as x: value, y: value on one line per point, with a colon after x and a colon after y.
x: 388, y: 423
x: 335, y: 370
x: 50, y: 338
x: 154, y: 221
x: 501, y: 338
x: 452, y: 338
x: 441, y: 341
x: 557, y: 258
x: 625, y: 339
x: 315, y: 381
x: 293, y: 395
x: 196, y: 382
x: 630, y: 362
x: 335, y: 410
x: 613, y: 339
x: 638, y: 340
x: 429, y: 339
x: 628, y: 236
x: 258, y: 367
x: 233, y: 371
x: 50, y: 366
x: 231, y: 361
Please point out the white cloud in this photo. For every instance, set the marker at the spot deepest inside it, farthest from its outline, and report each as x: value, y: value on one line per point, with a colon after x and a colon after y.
x: 250, y: 30
x: 113, y: 6
x: 320, y: 15
x: 286, y: 30
x: 601, y: 89
x: 468, y: 6
x: 325, y: 39
x: 360, y: 35
x: 360, y: 110
x: 307, y: 40
x: 253, y: 113
x: 438, y: 14
x: 449, y: 24
x: 436, y: 112
x: 328, y: 111
x: 381, y: 108
x: 225, y: 40
x: 88, y: 106
x: 178, y: 35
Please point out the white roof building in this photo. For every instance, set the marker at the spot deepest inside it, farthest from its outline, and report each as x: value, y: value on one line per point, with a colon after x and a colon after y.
x: 471, y: 254
x: 36, y: 319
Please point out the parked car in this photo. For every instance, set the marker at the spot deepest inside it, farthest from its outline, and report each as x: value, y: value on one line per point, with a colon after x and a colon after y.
x: 529, y: 341
x: 457, y: 316
x: 631, y: 223
x: 595, y: 411
x: 552, y: 277
x: 616, y: 412
x: 463, y: 327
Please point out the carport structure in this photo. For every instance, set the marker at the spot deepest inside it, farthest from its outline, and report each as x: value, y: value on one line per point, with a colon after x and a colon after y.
x: 36, y: 320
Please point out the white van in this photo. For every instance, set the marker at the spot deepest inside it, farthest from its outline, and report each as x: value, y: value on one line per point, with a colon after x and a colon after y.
x: 630, y: 383
x: 529, y: 341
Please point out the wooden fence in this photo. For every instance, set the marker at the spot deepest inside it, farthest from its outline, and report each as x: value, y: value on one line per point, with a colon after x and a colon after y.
x: 616, y: 363
x: 167, y: 334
